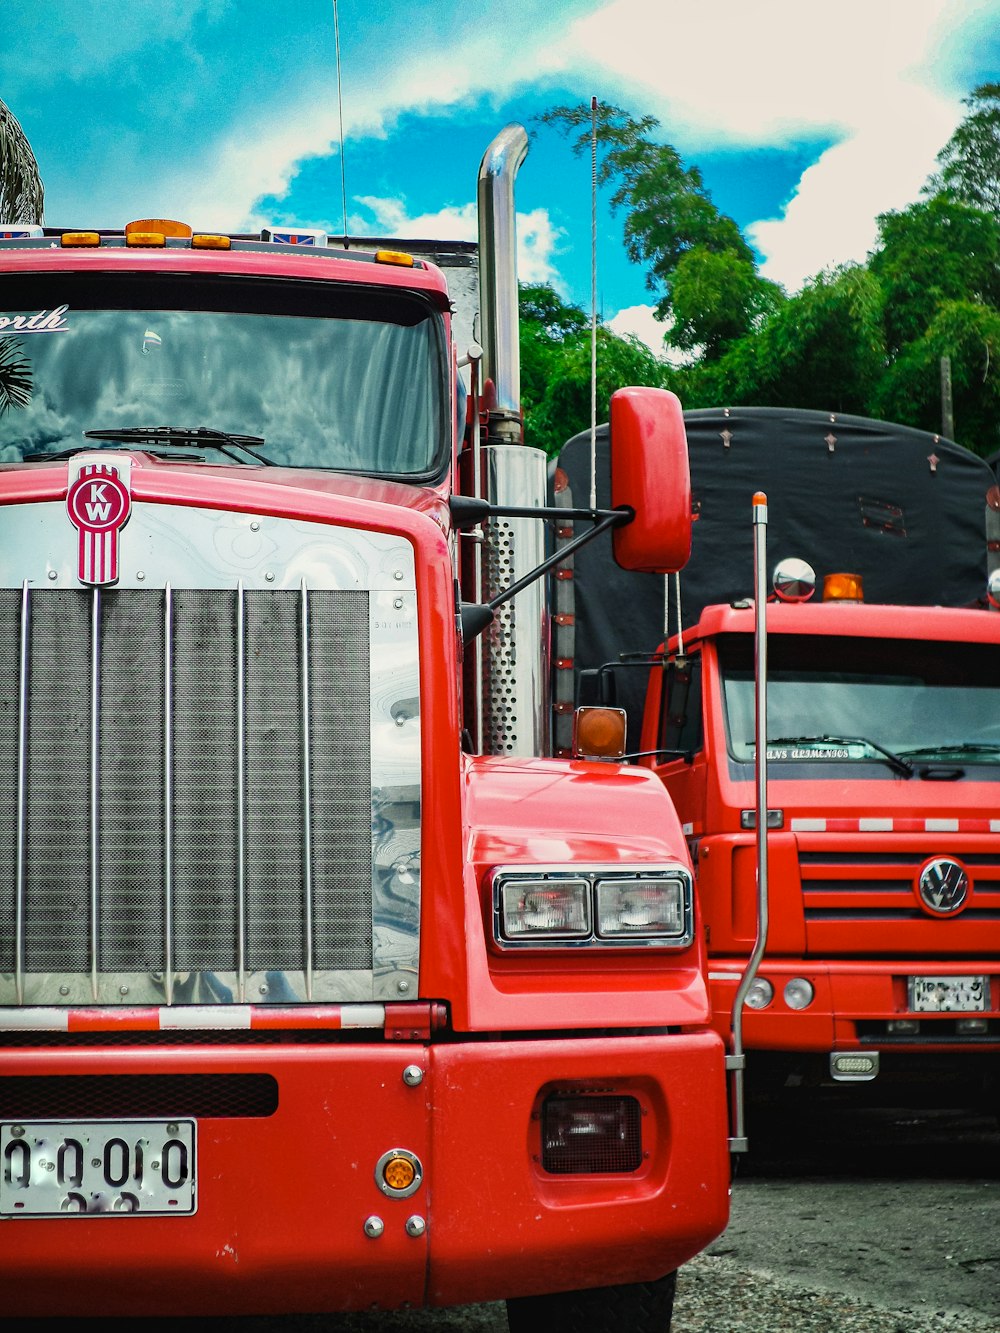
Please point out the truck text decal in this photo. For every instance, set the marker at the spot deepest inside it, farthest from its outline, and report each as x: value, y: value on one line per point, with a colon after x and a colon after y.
x: 43, y: 321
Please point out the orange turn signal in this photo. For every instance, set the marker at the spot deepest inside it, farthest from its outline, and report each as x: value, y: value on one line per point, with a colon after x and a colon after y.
x: 399, y: 1173
x: 599, y: 733
x: 843, y: 588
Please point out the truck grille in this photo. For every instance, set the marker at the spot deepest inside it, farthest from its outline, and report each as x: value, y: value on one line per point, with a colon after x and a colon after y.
x: 863, y: 902
x: 185, y: 791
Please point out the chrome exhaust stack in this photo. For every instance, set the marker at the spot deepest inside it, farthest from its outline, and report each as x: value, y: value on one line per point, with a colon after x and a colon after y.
x: 514, y: 716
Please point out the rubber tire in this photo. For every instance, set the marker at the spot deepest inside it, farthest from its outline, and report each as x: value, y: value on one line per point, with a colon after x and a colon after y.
x: 639, y: 1307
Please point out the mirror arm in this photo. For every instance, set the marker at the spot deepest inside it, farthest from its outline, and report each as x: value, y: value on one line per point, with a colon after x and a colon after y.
x: 612, y: 518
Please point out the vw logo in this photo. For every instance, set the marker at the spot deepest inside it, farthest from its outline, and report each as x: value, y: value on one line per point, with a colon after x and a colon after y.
x: 943, y: 887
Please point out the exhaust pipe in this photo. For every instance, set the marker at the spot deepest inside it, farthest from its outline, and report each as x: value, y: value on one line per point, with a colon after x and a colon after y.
x: 498, y: 278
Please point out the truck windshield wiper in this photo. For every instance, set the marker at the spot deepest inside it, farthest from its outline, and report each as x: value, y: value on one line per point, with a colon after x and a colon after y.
x: 954, y: 747
x: 185, y: 435
x: 894, y: 761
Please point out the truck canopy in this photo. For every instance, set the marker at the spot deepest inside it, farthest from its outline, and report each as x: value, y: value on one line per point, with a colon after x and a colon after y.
x: 904, y: 508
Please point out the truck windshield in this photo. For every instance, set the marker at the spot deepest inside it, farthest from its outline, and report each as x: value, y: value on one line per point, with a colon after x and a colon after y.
x: 865, y: 699
x: 326, y: 376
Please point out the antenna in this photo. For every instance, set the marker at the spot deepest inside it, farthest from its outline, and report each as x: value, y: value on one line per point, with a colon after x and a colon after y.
x: 340, y: 110
x: 593, y: 303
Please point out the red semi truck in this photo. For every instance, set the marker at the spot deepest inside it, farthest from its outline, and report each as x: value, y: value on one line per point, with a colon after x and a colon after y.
x: 883, y: 725
x: 323, y: 986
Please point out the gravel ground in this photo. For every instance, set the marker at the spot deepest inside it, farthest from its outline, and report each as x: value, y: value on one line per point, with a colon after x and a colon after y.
x: 714, y: 1295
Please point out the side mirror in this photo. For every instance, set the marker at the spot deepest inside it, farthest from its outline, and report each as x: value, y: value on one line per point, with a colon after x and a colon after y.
x: 650, y: 473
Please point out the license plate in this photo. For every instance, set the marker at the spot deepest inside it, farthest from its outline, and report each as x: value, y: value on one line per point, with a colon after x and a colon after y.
x: 949, y: 995
x: 62, y: 1168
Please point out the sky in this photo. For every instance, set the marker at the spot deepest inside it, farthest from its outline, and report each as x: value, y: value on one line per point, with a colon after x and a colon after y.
x: 805, y: 120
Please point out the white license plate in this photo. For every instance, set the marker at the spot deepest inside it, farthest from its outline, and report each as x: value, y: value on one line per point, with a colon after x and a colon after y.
x: 62, y: 1168
x: 949, y: 995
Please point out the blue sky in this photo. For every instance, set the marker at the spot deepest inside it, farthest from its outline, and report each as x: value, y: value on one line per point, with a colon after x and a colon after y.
x: 807, y: 120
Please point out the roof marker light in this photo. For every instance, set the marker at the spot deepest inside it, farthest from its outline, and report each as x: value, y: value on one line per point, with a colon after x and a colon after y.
x: 843, y: 588
x: 158, y: 226
x: 77, y: 239
x: 394, y: 257
x: 205, y: 241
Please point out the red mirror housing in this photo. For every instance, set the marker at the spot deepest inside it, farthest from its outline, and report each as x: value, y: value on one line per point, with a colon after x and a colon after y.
x: 650, y: 473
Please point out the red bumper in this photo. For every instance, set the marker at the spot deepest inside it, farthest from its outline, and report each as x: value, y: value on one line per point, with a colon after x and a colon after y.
x: 283, y: 1198
x: 850, y: 996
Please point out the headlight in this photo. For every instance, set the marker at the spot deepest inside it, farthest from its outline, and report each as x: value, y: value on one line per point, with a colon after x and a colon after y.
x: 760, y: 994
x: 553, y: 908
x: 633, y: 908
x: 799, y: 993
x: 569, y: 906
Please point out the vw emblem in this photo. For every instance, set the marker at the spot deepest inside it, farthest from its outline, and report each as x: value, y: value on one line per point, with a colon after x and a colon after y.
x: 943, y: 887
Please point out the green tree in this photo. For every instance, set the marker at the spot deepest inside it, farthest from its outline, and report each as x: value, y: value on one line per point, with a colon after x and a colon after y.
x: 910, y: 390
x: 936, y: 251
x: 717, y: 297
x: 556, y: 367
x: 970, y: 160
x: 21, y: 192
x: 668, y: 215
x: 822, y: 347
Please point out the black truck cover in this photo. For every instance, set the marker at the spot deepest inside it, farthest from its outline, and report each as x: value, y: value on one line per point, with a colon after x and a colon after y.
x: 904, y: 508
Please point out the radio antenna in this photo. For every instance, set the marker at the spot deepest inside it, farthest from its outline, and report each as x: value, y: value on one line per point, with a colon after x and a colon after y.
x: 340, y: 112
x: 593, y: 303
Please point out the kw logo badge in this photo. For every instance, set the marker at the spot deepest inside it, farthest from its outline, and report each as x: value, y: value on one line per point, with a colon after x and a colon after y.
x: 99, y: 504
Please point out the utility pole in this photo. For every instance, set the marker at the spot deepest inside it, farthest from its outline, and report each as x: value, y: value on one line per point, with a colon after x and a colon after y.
x: 947, y: 409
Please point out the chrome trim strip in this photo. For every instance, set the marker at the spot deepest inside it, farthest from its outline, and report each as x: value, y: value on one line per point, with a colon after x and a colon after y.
x: 307, y: 851
x: 95, y: 792
x: 22, y: 791
x: 168, y: 795
x: 241, y: 794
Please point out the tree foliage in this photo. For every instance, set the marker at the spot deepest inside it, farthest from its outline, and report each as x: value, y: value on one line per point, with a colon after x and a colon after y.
x: 970, y: 160
x: 21, y: 192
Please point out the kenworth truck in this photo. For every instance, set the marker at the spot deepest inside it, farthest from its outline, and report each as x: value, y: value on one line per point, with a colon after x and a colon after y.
x: 323, y: 986
x: 882, y: 958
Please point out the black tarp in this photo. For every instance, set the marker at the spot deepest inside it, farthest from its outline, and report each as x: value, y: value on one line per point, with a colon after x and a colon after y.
x: 902, y: 507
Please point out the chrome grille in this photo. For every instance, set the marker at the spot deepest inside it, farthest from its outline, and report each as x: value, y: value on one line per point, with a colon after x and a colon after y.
x: 186, y: 794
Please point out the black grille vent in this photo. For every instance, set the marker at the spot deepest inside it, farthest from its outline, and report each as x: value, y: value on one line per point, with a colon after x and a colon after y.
x: 136, y: 1097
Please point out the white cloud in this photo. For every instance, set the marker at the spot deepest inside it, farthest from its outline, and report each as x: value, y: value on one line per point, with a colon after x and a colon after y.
x: 537, y: 237
x: 641, y: 322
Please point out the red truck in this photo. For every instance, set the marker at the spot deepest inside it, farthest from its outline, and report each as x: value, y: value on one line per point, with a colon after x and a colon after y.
x: 323, y: 986
x: 882, y: 957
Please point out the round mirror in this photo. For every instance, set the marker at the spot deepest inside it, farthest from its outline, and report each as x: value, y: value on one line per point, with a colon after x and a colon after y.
x: 793, y: 580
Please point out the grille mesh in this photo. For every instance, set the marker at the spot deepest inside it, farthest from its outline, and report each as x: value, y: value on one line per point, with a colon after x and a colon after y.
x: 131, y: 1096
x: 205, y: 816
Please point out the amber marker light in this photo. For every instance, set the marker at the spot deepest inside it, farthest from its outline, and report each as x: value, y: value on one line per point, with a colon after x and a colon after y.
x: 202, y: 241
x: 399, y: 1173
x: 72, y: 239
x: 394, y: 257
x: 599, y: 733
x: 843, y: 588
x: 158, y: 226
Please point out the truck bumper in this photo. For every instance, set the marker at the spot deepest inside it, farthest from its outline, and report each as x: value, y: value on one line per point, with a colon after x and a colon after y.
x: 854, y: 1006
x: 284, y: 1193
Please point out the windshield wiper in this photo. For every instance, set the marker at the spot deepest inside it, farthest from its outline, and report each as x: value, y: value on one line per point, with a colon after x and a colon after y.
x: 185, y: 435
x: 955, y: 747
x: 894, y: 761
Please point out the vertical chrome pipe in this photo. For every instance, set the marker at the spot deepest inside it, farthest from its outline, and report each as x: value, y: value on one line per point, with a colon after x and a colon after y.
x: 22, y: 791
x: 95, y: 790
x: 306, y: 793
x: 736, y: 1062
x: 241, y: 794
x: 168, y: 795
x: 498, y: 277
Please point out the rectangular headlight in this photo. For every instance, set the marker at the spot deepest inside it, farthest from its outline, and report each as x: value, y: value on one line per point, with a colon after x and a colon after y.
x: 567, y: 906
x: 641, y: 908
x: 545, y: 909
